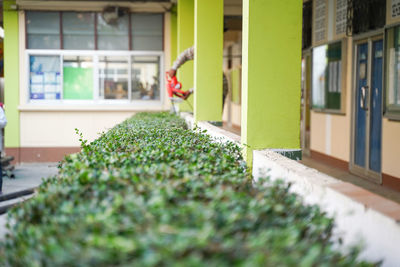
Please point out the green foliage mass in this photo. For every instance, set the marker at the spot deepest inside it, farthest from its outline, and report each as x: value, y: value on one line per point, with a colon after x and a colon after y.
x: 150, y: 192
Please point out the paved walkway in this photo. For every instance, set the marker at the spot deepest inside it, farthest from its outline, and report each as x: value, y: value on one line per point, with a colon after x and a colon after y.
x: 27, y: 176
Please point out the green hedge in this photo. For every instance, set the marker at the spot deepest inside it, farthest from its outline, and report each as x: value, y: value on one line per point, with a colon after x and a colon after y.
x: 150, y: 192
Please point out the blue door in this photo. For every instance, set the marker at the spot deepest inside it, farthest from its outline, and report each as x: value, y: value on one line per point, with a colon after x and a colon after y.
x: 368, y: 106
x: 361, y: 111
x: 375, y: 126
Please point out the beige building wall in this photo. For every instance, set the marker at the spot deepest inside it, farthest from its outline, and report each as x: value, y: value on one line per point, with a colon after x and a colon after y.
x: 338, y: 142
x: 340, y: 137
x: 318, y: 138
x: 341, y: 123
x: 232, y: 111
x: 53, y: 125
x: 57, y: 129
x: 391, y: 148
x: 236, y: 114
x: 391, y: 129
x: 331, y: 133
x: 166, y: 105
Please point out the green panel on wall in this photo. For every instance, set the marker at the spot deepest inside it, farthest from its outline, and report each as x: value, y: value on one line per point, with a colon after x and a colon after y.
x: 333, y: 100
x: 78, y: 83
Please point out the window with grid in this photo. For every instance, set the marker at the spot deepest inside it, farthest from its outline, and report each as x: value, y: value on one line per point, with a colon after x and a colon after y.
x: 327, y: 76
x: 392, y: 84
x: 69, y: 58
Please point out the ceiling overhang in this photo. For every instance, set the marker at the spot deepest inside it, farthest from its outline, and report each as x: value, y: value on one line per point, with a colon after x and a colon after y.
x: 95, y: 5
x: 231, y: 7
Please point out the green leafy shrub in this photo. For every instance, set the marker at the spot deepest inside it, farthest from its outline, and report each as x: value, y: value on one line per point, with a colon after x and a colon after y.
x: 150, y: 192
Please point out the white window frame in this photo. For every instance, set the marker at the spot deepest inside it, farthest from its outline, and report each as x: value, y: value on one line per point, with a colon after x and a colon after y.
x: 341, y: 79
x: 96, y: 101
x: 391, y: 111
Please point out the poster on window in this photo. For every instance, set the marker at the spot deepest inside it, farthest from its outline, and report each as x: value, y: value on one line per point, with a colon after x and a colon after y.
x: 50, y: 77
x: 45, y: 78
x: 395, y: 8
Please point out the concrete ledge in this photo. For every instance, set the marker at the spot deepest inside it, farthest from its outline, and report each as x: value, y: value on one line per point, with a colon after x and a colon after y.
x: 217, y: 133
x: 360, y: 216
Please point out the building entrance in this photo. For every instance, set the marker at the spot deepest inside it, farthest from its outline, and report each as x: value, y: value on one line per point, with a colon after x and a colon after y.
x: 367, y: 116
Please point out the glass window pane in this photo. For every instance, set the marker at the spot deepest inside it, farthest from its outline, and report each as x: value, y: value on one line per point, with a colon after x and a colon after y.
x: 318, y: 76
x: 113, y: 36
x: 45, y: 80
x: 147, y: 31
x: 393, y: 41
x: 327, y: 76
x: 77, y: 77
x: 334, y: 69
x: 78, y: 30
x: 113, y: 75
x: 146, y: 77
x: 78, y: 42
x: 43, y: 41
x: 43, y: 30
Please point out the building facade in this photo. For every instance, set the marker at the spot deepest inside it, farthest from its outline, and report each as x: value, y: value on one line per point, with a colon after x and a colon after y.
x: 350, y: 111
x: 351, y: 107
x: 80, y: 64
x: 89, y: 65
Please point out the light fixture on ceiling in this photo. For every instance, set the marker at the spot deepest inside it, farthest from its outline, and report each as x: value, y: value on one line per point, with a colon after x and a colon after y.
x: 111, y: 14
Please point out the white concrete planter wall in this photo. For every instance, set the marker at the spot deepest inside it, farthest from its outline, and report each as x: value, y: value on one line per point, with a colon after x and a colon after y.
x: 356, y: 223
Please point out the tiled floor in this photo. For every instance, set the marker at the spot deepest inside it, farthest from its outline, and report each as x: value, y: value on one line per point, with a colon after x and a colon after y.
x: 369, y: 199
x: 233, y: 129
x: 371, y: 195
x: 353, y: 179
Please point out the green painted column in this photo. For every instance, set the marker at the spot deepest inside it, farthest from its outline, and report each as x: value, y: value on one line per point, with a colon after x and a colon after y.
x: 11, y: 74
x: 174, y: 33
x: 209, y: 20
x: 186, y: 40
x: 271, y: 73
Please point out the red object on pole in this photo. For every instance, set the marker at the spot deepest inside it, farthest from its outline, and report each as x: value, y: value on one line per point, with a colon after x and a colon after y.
x: 174, y: 88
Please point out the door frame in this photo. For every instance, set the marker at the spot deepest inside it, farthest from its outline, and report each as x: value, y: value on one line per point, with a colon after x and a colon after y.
x: 365, y: 172
x: 307, y: 96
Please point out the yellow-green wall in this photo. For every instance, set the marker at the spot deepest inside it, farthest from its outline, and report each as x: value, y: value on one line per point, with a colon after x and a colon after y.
x: 11, y: 74
x: 271, y: 74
